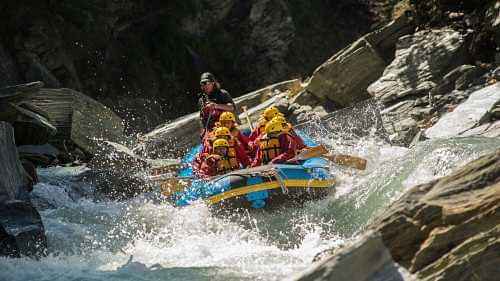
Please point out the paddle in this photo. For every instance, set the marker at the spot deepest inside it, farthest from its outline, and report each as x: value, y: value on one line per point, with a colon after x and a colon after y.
x: 171, y: 185
x: 247, y: 117
x: 347, y: 160
x: 341, y: 159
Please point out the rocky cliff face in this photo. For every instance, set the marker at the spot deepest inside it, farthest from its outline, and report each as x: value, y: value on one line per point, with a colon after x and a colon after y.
x: 447, y: 229
x: 21, y: 229
x: 141, y: 57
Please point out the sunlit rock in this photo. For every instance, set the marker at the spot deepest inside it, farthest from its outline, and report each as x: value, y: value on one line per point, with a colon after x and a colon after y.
x: 467, y: 115
x: 421, y: 58
x: 344, y: 78
x: 365, y: 259
x: 446, y: 229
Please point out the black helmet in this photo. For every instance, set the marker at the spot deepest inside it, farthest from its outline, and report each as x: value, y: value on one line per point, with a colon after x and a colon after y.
x: 207, y: 77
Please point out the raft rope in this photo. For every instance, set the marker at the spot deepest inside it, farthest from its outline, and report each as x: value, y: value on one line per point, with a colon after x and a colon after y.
x: 279, y: 177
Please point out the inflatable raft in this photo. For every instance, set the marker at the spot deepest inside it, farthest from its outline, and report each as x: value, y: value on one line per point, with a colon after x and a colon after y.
x: 260, y: 187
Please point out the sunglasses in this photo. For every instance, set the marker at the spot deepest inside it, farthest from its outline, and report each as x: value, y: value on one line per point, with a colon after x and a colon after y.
x: 205, y: 83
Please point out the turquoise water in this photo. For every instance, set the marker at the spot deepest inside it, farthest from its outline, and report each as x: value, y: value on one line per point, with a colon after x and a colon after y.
x: 145, y: 238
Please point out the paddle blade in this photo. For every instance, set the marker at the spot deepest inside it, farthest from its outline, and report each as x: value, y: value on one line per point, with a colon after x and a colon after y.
x: 172, y: 185
x: 311, y: 152
x: 347, y: 160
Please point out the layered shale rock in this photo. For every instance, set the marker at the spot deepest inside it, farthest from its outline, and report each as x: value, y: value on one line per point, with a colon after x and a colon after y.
x: 21, y: 228
x: 78, y: 118
x: 468, y: 115
x: 447, y: 229
x: 421, y: 60
x: 344, y: 78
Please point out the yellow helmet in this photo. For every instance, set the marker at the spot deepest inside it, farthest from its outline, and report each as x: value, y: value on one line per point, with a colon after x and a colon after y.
x: 271, y: 112
x: 274, y: 127
x: 221, y: 132
x: 284, y: 123
x: 280, y: 119
x: 220, y: 143
x: 227, y: 116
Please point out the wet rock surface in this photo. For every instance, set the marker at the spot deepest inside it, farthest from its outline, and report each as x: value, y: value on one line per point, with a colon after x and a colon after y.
x: 21, y: 229
x: 475, y: 111
x: 344, y: 78
x: 446, y: 229
x: 420, y: 61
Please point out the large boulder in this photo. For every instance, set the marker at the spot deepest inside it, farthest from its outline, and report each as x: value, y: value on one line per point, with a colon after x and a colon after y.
x: 366, y: 259
x: 29, y: 127
x: 344, y: 78
x: 93, y: 122
x: 12, y: 179
x: 17, y: 93
x: 78, y: 118
x: 447, y: 229
x: 421, y: 60
x: 473, y: 112
x: 21, y: 229
x: 41, y: 155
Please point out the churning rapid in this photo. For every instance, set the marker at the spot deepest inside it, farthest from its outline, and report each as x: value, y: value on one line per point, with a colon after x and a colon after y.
x: 145, y: 238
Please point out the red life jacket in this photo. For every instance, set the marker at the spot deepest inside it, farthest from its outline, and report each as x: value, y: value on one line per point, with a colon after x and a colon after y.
x: 209, y: 117
x: 226, y: 164
x: 270, y: 148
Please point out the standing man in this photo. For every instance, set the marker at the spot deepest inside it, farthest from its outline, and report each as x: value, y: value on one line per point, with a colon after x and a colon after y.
x: 213, y: 101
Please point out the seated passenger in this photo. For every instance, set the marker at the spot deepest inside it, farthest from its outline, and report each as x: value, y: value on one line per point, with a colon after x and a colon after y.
x: 265, y: 117
x: 275, y: 146
x: 228, y: 120
x: 236, y: 149
x: 289, y: 129
x: 219, y: 161
x: 206, y: 149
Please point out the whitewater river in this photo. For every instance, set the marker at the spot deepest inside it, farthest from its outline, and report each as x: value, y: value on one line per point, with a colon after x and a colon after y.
x: 145, y: 238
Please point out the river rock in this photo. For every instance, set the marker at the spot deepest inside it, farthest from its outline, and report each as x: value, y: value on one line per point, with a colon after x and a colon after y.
x: 21, y: 229
x: 305, y: 98
x: 447, y: 84
x: 41, y: 155
x: 493, y: 14
x: 31, y: 128
x: 78, y: 118
x: 254, y: 98
x: 467, y: 115
x: 471, y: 77
x: 12, y: 179
x: 447, y: 229
x: 16, y: 93
x: 365, y: 259
x: 491, y: 130
x: 344, y: 78
x: 421, y: 60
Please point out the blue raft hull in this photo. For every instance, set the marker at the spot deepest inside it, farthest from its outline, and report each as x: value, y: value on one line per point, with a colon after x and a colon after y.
x: 259, y: 187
